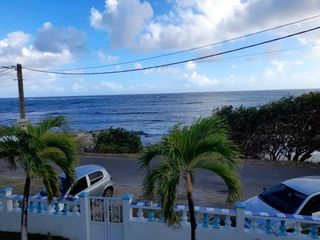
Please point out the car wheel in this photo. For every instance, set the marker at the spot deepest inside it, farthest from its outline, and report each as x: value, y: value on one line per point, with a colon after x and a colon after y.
x: 108, y: 192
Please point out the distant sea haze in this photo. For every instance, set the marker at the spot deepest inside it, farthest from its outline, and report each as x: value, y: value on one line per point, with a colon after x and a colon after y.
x: 152, y: 115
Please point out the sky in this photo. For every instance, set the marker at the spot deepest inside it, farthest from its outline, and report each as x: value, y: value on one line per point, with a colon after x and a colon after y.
x: 73, y: 34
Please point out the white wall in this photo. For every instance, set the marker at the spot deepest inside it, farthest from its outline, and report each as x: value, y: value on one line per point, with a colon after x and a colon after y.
x: 91, y: 218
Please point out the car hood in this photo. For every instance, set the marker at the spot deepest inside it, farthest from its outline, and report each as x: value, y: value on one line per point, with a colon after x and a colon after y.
x: 255, y: 204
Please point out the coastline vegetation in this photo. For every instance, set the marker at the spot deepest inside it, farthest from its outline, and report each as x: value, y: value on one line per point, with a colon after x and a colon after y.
x: 117, y: 140
x: 287, y: 129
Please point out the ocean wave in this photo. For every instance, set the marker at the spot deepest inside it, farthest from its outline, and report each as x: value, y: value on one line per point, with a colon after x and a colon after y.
x: 191, y: 103
x: 134, y: 113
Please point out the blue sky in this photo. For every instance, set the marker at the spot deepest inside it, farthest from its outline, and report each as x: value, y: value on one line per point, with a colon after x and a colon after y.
x: 55, y: 35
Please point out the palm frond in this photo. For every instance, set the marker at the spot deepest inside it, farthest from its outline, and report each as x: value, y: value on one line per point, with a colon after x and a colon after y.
x: 9, y: 131
x: 148, y: 155
x: 162, y: 181
x: 229, y: 177
x: 57, y: 157
x: 50, y: 180
x: 65, y: 143
x: 48, y: 123
x: 9, y: 152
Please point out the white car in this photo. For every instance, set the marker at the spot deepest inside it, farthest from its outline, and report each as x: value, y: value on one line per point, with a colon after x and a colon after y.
x: 90, y: 178
x: 298, y: 196
x: 294, y: 196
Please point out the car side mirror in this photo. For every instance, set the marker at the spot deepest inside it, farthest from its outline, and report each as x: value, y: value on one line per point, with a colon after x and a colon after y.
x: 316, y: 214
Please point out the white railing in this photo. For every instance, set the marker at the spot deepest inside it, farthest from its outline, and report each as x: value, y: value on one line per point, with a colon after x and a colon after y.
x: 39, y: 204
x: 89, y: 217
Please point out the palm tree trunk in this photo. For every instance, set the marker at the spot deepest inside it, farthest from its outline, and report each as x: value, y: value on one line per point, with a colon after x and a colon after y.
x: 24, y: 215
x: 191, y: 206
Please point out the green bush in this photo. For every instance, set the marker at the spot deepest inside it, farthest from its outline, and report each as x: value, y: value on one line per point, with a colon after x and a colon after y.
x: 118, y: 140
x: 288, y: 128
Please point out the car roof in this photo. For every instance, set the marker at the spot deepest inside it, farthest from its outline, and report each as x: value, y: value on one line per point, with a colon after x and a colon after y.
x: 307, y: 185
x: 85, y: 170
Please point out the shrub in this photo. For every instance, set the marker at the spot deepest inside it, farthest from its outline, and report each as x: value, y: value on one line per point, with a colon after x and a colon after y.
x: 118, y: 140
x: 285, y: 129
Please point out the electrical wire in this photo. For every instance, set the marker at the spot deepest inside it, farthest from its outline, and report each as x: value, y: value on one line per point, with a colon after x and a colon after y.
x: 4, y: 71
x: 259, y: 53
x: 195, y: 48
x: 178, y: 62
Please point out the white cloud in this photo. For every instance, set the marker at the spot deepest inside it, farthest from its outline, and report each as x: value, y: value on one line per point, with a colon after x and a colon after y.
x: 162, y: 70
x: 279, y: 66
x: 191, y: 65
x: 107, y: 58
x: 51, y: 47
x: 79, y: 86
x: 199, y: 80
x: 123, y: 20
x: 192, y: 23
x: 48, y: 85
x: 17, y: 48
x: 137, y: 65
x: 57, y: 39
x: 108, y: 85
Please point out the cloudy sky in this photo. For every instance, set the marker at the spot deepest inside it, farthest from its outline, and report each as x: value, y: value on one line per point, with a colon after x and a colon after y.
x: 59, y: 35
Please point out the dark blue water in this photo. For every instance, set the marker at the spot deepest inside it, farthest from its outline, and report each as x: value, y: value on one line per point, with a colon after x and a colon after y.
x: 152, y: 114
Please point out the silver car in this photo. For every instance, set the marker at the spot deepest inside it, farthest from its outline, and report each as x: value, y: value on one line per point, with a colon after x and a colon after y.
x: 90, y: 178
x: 298, y: 196
x: 294, y: 196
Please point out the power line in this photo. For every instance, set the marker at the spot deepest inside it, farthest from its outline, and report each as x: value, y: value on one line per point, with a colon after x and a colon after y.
x: 4, y: 71
x: 195, y: 48
x: 260, y: 53
x: 245, y: 55
x: 178, y: 62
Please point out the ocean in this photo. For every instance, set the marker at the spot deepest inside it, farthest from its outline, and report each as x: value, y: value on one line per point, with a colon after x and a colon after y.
x: 151, y: 115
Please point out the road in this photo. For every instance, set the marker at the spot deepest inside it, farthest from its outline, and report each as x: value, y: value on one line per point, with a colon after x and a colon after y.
x: 208, y: 189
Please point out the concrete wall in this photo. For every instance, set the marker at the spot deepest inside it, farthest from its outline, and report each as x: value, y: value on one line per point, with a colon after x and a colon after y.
x: 124, y: 219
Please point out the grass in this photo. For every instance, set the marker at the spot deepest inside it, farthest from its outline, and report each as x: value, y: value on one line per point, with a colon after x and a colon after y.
x: 17, y: 185
x: 16, y: 236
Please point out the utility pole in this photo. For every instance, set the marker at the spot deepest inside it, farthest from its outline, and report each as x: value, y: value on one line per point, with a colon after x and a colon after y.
x: 22, y: 121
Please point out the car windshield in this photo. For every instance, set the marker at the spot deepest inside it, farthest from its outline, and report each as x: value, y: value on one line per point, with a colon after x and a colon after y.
x: 283, y: 198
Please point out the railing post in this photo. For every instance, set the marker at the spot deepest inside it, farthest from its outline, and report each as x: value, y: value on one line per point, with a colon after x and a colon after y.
x: 85, y: 214
x: 127, y: 214
x: 6, y: 203
x: 240, y: 208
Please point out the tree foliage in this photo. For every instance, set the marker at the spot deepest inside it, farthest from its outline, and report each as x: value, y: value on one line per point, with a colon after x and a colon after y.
x: 39, y: 151
x: 285, y: 129
x: 203, y: 145
x: 118, y: 140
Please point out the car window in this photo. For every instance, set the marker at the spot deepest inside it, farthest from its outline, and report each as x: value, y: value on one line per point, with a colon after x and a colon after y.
x: 312, y: 206
x: 283, y: 198
x: 79, y: 186
x: 95, y: 177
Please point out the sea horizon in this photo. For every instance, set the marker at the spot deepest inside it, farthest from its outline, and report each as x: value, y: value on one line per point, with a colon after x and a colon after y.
x: 151, y: 115
x: 163, y: 93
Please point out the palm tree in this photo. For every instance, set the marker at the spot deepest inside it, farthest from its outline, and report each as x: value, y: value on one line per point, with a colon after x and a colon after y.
x: 38, y: 150
x: 203, y: 145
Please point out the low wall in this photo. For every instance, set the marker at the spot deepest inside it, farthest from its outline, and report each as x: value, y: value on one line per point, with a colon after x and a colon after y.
x: 87, y: 218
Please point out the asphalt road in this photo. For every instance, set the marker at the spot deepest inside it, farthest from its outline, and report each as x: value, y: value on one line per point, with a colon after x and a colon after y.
x: 208, y: 189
